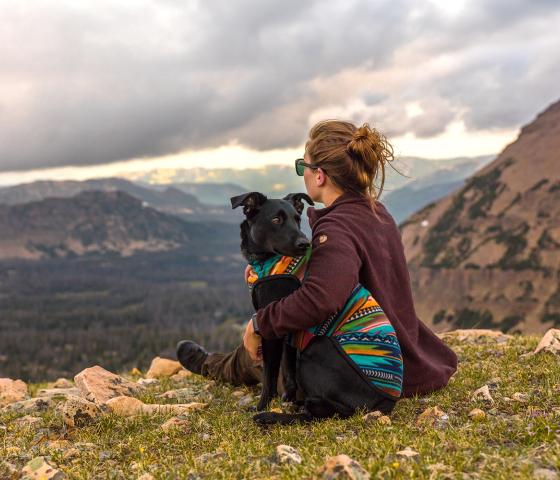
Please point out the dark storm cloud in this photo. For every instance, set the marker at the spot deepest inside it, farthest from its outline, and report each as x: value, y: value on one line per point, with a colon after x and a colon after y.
x: 86, y: 85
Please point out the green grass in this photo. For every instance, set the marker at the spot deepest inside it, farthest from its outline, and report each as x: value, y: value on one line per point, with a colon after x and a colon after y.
x: 513, y: 440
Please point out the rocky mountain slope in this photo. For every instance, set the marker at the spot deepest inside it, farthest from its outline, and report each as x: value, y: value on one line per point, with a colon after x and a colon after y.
x: 489, y: 254
x: 95, y: 222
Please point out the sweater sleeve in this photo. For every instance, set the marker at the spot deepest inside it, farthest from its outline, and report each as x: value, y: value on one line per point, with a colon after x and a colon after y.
x: 332, y: 273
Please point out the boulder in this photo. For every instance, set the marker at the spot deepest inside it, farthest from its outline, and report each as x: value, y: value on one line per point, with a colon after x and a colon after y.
x: 62, y: 383
x: 163, y: 367
x: 99, y: 385
x: 32, y: 405
x: 12, y: 391
x: 550, y: 343
x: 475, y: 335
x: 58, y: 392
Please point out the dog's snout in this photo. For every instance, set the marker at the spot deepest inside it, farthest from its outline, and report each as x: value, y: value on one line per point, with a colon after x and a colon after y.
x: 302, y: 243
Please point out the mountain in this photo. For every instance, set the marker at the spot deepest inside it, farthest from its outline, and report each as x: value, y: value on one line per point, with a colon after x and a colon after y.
x: 489, y: 253
x: 98, y: 222
x: 172, y: 199
x: 419, y: 191
x: 215, y: 194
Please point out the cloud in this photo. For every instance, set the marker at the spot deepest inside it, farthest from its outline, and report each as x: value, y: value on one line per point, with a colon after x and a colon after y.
x: 90, y: 84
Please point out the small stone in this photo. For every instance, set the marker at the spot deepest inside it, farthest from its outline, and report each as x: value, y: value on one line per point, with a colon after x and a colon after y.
x: 520, y: 397
x: 477, y: 414
x: 99, y: 385
x: 62, y: 383
x: 246, y: 400
x: 58, y: 393
x: 205, y: 457
x: 237, y: 393
x: 163, y: 367
x: 407, y: 453
x: 128, y: 406
x: 79, y: 412
x: 186, y: 394
x: 40, y: 469
x: 146, y: 476
x: 287, y: 454
x: 70, y: 454
x: 8, y: 471
x: 545, y: 474
x: 148, y: 382
x: 384, y: 420
x: 483, y: 393
x: 33, y: 405
x: 12, y: 391
x: 550, y: 343
x: 179, y: 422
x: 432, y: 416
x: 342, y: 467
x: 372, y: 416
x: 28, y: 421
x: 181, y: 375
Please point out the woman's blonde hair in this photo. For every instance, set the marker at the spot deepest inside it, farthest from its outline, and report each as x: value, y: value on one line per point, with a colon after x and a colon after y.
x: 352, y: 157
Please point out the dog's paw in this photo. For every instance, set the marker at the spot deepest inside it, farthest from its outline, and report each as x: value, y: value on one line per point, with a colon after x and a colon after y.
x: 266, y: 418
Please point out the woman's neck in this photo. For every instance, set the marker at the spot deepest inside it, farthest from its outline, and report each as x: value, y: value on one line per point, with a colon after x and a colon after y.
x: 330, y: 196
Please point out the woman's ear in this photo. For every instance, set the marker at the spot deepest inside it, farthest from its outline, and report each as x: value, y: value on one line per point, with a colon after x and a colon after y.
x: 320, y: 177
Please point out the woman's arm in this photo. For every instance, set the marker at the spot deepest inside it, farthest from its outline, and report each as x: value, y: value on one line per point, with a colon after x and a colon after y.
x: 332, y: 274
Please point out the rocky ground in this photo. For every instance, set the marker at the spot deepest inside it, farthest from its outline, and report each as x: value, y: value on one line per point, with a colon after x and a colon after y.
x: 498, y: 418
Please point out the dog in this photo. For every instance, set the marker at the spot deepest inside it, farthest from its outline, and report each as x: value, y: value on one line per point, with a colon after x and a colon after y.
x: 352, y: 360
x: 271, y: 229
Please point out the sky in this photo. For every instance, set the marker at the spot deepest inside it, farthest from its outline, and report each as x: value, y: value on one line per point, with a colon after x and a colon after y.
x: 97, y: 88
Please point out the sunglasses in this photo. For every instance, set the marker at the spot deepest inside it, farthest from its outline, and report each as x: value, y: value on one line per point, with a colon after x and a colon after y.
x: 300, y: 166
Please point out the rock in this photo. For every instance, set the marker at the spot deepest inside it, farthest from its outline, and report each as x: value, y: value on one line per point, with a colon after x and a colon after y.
x: 28, y: 421
x: 33, y: 405
x: 181, y: 375
x: 237, y: 393
x: 79, y: 412
x: 179, y: 422
x: 550, y: 343
x: 287, y: 454
x: 71, y: 453
x: 12, y: 391
x: 343, y: 467
x: 477, y: 414
x: 8, y: 471
x: 246, y: 400
x: 60, y: 393
x: 545, y: 474
x: 148, y: 382
x: 146, y: 476
x: 205, y: 457
x: 520, y: 397
x: 384, y: 420
x: 372, y: 416
x: 39, y: 469
x: 474, y: 335
x: 483, y: 393
x: 163, y: 367
x: 128, y: 406
x: 432, y: 416
x: 63, y: 383
x: 186, y: 394
x: 99, y: 385
x: 408, y: 453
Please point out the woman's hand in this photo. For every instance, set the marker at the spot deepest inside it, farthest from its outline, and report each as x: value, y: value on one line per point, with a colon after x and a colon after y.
x: 252, y: 343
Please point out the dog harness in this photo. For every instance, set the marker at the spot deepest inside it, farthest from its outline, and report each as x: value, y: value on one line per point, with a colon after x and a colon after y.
x: 361, y: 328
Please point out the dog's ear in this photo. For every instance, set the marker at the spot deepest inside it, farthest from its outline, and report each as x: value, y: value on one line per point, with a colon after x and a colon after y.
x: 295, y: 200
x: 251, y: 202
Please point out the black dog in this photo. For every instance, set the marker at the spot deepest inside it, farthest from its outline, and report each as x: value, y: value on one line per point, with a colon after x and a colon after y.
x: 272, y: 227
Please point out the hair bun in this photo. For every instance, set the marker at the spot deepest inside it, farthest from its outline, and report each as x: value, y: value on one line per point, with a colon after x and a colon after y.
x: 362, y: 133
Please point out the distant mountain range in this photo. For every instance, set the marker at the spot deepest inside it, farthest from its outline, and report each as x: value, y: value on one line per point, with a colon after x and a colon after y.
x: 102, y: 222
x: 488, y: 255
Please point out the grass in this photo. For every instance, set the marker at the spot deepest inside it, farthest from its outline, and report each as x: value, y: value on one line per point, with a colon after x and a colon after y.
x: 510, y: 443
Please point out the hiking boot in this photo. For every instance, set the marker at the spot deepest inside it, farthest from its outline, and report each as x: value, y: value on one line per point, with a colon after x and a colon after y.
x: 191, y: 355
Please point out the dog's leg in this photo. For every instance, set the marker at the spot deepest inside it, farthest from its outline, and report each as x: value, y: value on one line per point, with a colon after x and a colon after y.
x: 289, y: 362
x: 272, y: 357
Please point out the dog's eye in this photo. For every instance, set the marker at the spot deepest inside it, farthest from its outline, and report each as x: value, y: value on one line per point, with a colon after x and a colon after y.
x: 277, y: 220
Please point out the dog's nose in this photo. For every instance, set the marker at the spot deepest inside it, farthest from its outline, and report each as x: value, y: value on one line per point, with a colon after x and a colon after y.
x: 302, y: 243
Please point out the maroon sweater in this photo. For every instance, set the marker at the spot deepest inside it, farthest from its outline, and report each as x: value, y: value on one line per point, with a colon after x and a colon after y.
x: 351, y: 245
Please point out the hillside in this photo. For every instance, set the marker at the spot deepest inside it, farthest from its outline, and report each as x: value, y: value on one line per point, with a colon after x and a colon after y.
x: 510, y: 431
x: 488, y: 255
x: 94, y: 222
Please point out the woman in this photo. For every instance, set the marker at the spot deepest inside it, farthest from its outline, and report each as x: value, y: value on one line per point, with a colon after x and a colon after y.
x: 354, y: 240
